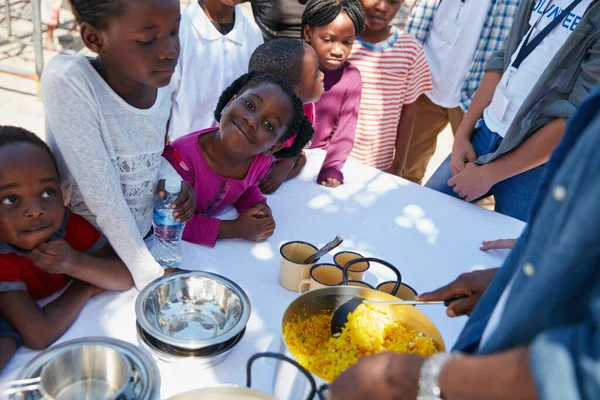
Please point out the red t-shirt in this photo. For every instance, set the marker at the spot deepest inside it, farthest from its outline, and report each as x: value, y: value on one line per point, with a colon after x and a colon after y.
x: 19, y: 273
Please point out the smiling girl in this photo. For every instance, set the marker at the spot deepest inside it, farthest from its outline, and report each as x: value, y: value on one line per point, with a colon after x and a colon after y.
x: 225, y: 165
x: 106, y: 120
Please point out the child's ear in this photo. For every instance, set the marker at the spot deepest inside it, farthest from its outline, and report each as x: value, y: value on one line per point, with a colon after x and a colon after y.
x: 91, y: 38
x: 307, y: 34
x: 274, y: 149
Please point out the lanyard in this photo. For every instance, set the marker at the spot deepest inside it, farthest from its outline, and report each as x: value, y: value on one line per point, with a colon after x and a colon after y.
x: 528, y: 46
x: 460, y: 8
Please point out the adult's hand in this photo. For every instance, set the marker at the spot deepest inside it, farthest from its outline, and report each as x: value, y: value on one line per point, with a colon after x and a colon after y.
x: 462, y: 154
x: 471, y: 284
x: 472, y: 182
x: 384, y: 376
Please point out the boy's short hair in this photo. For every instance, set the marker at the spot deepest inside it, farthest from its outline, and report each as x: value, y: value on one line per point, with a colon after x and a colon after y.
x: 283, y: 57
x: 14, y: 134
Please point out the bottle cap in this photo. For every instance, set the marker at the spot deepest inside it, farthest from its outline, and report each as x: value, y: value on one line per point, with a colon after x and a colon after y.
x: 172, y: 186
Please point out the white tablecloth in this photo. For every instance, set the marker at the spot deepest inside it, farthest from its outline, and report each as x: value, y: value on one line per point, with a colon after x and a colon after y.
x: 431, y: 238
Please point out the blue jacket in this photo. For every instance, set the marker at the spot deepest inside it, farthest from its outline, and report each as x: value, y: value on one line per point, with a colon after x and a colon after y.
x: 554, y: 304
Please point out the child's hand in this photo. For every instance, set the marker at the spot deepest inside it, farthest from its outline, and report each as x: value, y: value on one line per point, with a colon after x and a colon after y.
x: 260, y: 210
x: 55, y: 257
x: 331, y: 182
x: 277, y: 176
x: 184, y: 205
x: 256, y: 224
x: 498, y: 244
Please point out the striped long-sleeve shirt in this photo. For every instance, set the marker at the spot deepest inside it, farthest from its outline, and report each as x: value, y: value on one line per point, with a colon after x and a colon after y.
x: 394, y: 73
x: 495, y: 30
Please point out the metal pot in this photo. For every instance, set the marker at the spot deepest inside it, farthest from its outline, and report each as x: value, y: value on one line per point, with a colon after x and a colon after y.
x: 288, y: 383
x: 95, y: 372
x: 232, y: 392
x: 147, y: 376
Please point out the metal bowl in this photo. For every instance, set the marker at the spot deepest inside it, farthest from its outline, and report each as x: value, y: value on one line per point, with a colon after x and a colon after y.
x: 203, y: 358
x: 147, y: 376
x: 88, y: 372
x: 192, y: 310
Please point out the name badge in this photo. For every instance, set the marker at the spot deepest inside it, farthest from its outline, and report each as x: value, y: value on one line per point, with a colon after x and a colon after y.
x: 500, y: 101
x: 451, y: 32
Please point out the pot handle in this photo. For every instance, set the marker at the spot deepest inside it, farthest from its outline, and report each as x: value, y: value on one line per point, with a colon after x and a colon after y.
x: 377, y: 261
x: 311, y: 380
x: 323, y: 392
x: 21, y: 386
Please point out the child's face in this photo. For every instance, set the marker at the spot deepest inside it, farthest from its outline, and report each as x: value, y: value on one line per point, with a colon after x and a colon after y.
x: 254, y: 121
x: 332, y: 42
x: 31, y: 202
x: 142, y: 44
x: 311, y: 87
x: 380, y: 13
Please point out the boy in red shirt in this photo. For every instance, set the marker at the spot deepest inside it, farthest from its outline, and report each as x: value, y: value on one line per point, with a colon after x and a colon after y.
x: 42, y: 247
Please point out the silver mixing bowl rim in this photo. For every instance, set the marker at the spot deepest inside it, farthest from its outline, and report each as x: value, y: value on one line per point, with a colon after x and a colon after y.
x: 139, y: 358
x: 189, y: 343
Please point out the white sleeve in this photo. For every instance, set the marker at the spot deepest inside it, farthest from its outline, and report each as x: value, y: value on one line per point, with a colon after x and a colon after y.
x: 167, y: 171
x: 73, y: 128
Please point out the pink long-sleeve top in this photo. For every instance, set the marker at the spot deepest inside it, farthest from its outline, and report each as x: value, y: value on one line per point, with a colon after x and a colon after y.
x: 214, y: 193
x: 336, y: 117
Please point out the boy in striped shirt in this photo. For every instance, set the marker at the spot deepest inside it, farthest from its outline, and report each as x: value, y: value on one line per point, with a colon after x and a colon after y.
x: 394, y: 74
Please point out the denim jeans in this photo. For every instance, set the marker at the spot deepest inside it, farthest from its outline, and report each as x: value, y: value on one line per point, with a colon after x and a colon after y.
x: 513, y: 196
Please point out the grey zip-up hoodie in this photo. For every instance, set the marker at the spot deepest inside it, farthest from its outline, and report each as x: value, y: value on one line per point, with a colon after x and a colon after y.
x: 565, y: 83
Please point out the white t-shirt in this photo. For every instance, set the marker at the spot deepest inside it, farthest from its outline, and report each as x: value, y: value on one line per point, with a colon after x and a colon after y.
x: 109, y: 156
x: 208, y: 63
x: 516, y: 85
x: 450, y: 47
x: 494, y: 320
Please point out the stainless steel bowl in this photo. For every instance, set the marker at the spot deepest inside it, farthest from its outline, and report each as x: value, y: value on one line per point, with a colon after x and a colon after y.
x: 192, y: 310
x: 147, y: 377
x: 92, y: 372
x: 204, y: 358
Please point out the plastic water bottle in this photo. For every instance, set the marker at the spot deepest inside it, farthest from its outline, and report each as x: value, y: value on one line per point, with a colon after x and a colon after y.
x: 167, y: 233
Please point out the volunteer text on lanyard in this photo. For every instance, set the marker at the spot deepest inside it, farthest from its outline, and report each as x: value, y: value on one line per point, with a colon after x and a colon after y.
x: 527, y: 48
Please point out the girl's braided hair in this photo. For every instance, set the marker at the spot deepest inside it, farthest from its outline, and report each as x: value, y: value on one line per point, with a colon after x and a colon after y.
x: 94, y: 12
x: 299, y: 124
x: 323, y: 12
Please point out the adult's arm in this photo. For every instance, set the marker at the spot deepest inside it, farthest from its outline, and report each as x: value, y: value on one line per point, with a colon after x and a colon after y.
x: 533, y: 152
x: 74, y: 133
x: 481, y: 100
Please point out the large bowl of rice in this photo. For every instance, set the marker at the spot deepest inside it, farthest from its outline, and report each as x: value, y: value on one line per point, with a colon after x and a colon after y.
x: 371, y: 329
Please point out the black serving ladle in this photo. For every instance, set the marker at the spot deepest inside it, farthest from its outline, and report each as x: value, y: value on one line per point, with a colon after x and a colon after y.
x: 340, y: 315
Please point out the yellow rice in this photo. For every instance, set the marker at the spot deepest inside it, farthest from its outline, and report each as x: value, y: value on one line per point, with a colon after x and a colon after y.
x: 368, y: 331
